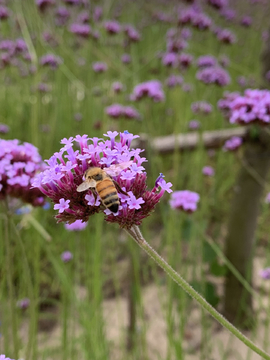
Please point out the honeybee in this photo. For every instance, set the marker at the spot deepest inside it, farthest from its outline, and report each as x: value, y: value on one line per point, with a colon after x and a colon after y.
x: 104, y: 185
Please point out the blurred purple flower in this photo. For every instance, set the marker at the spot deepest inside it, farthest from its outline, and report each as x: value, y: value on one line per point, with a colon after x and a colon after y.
x: 20, y: 45
x: 4, y: 12
x: 233, y: 143
x: 51, y: 60
x: 84, y: 17
x: 174, y: 80
x: 117, y: 86
x: 130, y: 113
x: 65, y: 172
x: 43, y: 87
x: 170, y: 59
x: 265, y: 273
x: 62, y: 16
x: 78, y: 225
x: 206, y: 61
x: 187, y: 87
x: 242, y: 81
x: 97, y: 13
x: 228, y: 14
x: 176, y: 45
x: 116, y: 111
x: 99, y: 67
x: 125, y: 58
x: 185, y: 60
x: 18, y: 166
x: 4, y: 129
x: 224, y: 61
x: 253, y: 106
x: 226, y: 36
x: 66, y: 256
x: 23, y: 304
x: 267, y: 198
x: 3, y: 357
x: 246, y: 21
x: 83, y: 30
x: 152, y: 89
x: 8, y: 45
x: 43, y: 4
x: 208, y: 171
x: 132, y: 34
x: 214, y: 75
x: 112, y: 27
x: 194, y: 125
x: 186, y: 33
x: 218, y: 4
x: 73, y: 2
x: 201, y: 107
x: 184, y: 200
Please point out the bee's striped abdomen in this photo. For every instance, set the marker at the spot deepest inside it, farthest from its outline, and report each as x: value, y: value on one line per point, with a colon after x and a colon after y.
x: 108, y: 194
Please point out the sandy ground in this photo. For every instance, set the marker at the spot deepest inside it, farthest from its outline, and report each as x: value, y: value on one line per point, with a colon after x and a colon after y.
x: 220, y: 344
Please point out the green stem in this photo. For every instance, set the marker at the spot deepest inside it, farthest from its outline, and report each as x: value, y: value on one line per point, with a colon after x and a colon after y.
x: 135, y: 233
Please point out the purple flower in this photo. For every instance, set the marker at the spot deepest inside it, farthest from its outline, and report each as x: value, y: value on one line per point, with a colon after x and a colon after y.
x: 66, y: 256
x: 226, y: 36
x: 83, y: 30
x: 218, y: 4
x: 208, y: 171
x: 117, y: 86
x: 176, y: 45
x: 206, y: 61
x: 19, y: 164
x: 253, y: 106
x: 186, y: 33
x: 112, y: 27
x: 246, y: 21
x: 43, y: 4
x: 174, y: 80
x: 130, y: 112
x: 4, y: 129
x: 170, y: 59
x: 78, y: 225
x: 3, y: 357
x: 242, y: 81
x: 115, y: 111
x: 97, y: 13
x: 228, y: 14
x: 23, y: 304
x: 59, y: 181
x: 265, y: 273
x: 201, y: 107
x: 233, y: 143
x: 185, y: 60
x: 224, y: 61
x: 132, y: 34
x: 99, y: 67
x: 152, y: 89
x: 4, y: 12
x: 184, y: 200
x: 125, y: 58
x: 214, y: 75
x: 194, y: 125
x: 51, y: 60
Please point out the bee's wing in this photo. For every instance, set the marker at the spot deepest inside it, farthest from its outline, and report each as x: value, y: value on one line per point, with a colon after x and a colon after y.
x: 86, y: 185
x: 115, y: 169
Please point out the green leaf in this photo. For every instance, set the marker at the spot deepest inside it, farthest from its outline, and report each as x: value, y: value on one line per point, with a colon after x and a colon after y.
x: 209, y: 254
x: 218, y: 270
x: 211, y: 294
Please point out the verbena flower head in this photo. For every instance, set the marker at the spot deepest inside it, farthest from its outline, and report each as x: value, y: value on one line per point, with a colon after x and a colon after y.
x: 174, y: 80
x: 23, y: 304
x: 19, y: 163
x: 3, y: 357
x: 253, y: 106
x: 66, y: 168
x: 233, y: 143
x: 226, y: 36
x: 206, y: 61
x: 112, y: 27
x: 208, y: 171
x: 116, y: 111
x: 194, y: 125
x: 152, y: 89
x: 264, y: 274
x: 185, y: 60
x: 117, y: 86
x: 218, y: 4
x: 66, y: 256
x: 4, y: 12
x: 78, y: 225
x: 51, y: 60
x: 246, y: 21
x: 83, y: 30
x: 4, y: 129
x: 43, y: 4
x: 99, y: 67
x: 202, y: 107
x: 214, y: 75
x: 132, y: 34
x: 184, y: 200
x: 170, y: 59
x: 267, y: 198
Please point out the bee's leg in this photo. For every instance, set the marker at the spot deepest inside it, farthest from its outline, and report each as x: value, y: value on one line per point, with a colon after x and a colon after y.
x: 94, y: 194
x: 118, y: 188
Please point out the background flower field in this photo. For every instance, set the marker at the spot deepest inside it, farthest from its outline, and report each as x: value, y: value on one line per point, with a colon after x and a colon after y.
x: 156, y: 68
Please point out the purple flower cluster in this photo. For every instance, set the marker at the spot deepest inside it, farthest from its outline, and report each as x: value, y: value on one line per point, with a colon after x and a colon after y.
x: 78, y: 225
x: 18, y: 166
x: 128, y: 112
x: 195, y: 18
x: 66, y: 168
x: 132, y: 34
x: 99, y: 67
x: 66, y: 256
x: 202, y: 107
x: 50, y: 60
x: 226, y: 36
x: 152, y: 89
x: 206, y: 61
x: 3, y: 357
x: 174, y: 80
x: 184, y: 200
x: 264, y: 273
x: 112, y: 27
x: 218, y: 4
x: 214, y: 75
x: 194, y: 125
x: 23, y: 304
x: 253, y: 106
x: 208, y: 171
x: 83, y: 30
x: 233, y: 143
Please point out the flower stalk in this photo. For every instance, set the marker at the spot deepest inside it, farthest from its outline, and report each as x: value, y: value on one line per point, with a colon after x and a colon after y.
x: 136, y: 234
